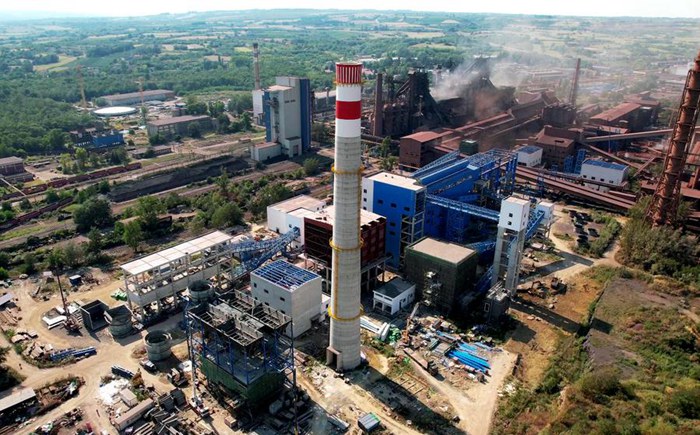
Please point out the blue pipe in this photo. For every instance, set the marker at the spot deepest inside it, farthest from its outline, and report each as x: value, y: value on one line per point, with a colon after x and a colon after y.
x: 465, y: 359
x: 471, y: 364
x: 470, y: 357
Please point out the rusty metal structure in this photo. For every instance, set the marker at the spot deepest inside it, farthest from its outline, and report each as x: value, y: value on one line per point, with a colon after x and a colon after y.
x: 664, y: 204
x: 408, y: 105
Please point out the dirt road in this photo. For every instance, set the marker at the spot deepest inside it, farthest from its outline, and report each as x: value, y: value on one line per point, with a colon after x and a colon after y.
x: 477, y: 405
x: 90, y: 369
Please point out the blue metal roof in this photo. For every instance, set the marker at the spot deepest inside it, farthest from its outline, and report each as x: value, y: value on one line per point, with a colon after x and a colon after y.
x: 608, y: 165
x: 285, y: 275
x: 529, y: 149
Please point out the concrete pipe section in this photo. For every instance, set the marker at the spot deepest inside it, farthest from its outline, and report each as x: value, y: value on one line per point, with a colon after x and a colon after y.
x: 200, y: 291
x: 119, y: 319
x: 158, y: 345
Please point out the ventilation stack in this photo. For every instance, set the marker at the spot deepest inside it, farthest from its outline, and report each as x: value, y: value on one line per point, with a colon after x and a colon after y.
x: 256, y: 65
x: 345, y: 310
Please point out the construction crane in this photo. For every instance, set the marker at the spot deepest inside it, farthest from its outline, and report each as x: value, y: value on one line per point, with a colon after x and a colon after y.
x: 664, y: 205
x: 81, y: 83
x: 574, y: 83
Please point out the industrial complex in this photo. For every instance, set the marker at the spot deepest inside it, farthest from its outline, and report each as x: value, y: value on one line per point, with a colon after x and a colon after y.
x: 314, y: 287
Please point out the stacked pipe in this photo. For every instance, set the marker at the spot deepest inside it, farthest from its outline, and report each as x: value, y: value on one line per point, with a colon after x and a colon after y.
x: 345, y: 309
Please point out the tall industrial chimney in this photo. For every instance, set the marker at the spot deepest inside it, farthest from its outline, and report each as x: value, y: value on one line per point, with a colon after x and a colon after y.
x: 256, y: 65
x: 377, y: 125
x: 345, y: 309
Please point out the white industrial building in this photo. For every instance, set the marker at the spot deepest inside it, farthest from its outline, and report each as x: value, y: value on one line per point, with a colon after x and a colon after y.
x: 529, y: 156
x: 394, y: 296
x: 290, y: 289
x: 265, y: 151
x: 286, y: 112
x: 288, y: 214
x: 514, y: 214
x: 613, y: 174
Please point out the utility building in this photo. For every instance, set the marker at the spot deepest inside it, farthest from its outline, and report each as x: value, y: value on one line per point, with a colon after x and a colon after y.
x: 613, y: 174
x: 12, y: 169
x: 179, y: 125
x: 402, y: 201
x: 289, y: 214
x: 287, y: 107
x: 394, y: 296
x: 443, y: 272
x: 529, y: 156
x: 290, y: 289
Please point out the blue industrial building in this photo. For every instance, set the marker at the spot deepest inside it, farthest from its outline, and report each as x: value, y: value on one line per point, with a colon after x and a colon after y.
x: 107, y: 139
x: 453, y: 198
x: 401, y: 200
x: 464, y: 195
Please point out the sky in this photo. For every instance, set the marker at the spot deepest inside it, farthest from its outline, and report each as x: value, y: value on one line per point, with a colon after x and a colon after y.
x: 640, y: 8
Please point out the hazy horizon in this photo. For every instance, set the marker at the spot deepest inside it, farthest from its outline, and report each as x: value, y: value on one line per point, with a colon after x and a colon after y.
x: 41, y: 9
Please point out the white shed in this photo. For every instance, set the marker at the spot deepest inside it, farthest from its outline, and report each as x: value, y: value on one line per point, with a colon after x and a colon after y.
x: 393, y: 296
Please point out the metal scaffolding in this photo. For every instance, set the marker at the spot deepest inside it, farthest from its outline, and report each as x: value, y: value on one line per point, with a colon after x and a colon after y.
x: 155, y: 284
x: 240, y: 344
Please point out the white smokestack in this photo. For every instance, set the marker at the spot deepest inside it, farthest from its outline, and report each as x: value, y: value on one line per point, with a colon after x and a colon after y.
x: 345, y: 309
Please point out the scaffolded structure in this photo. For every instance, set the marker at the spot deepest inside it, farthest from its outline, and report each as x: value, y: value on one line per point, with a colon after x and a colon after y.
x: 240, y: 346
x: 156, y: 284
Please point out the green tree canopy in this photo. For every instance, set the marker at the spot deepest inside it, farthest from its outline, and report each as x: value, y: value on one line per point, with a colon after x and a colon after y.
x: 132, y: 235
x: 93, y: 213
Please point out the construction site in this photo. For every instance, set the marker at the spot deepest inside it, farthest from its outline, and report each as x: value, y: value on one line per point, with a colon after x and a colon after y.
x: 408, y: 299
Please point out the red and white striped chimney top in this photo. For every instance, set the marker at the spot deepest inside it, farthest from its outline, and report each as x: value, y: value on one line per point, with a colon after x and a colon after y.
x: 348, y: 73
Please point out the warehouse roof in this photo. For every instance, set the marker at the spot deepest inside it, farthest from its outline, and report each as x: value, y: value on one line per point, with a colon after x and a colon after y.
x: 529, y: 149
x: 146, y: 94
x: 178, y: 120
x: 276, y: 88
x: 161, y: 258
x: 617, y: 112
x: 10, y: 160
x: 449, y: 252
x: 423, y: 136
x: 16, y: 398
x: 285, y: 275
x: 608, y: 165
x: 546, y: 139
x: 328, y: 215
x: 319, y: 95
x: 397, y: 180
x: 297, y: 202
